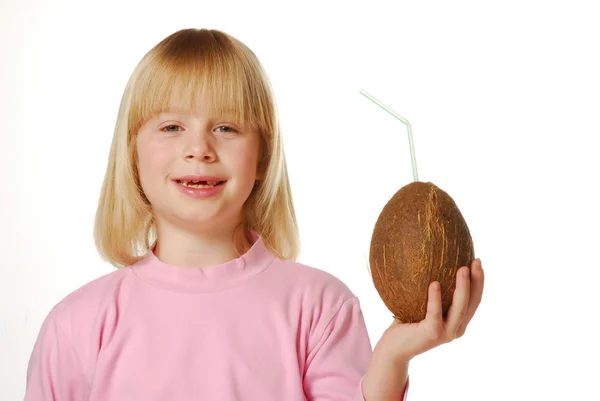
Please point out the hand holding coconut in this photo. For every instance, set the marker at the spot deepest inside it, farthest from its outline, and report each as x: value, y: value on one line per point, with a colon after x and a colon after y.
x: 423, y: 267
x: 387, y: 375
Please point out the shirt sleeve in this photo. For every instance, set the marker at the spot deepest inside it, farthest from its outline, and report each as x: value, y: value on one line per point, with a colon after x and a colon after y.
x: 337, y: 363
x: 54, y: 371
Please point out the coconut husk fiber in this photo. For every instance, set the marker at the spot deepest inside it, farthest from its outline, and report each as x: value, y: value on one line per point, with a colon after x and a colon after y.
x: 419, y: 237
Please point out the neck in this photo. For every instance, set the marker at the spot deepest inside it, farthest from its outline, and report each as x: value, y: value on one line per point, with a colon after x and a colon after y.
x: 198, y: 249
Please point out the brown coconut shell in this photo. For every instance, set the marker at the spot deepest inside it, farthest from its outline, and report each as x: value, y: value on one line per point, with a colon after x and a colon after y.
x: 420, y: 237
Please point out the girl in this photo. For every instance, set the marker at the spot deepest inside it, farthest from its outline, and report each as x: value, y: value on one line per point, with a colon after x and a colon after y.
x: 208, y: 302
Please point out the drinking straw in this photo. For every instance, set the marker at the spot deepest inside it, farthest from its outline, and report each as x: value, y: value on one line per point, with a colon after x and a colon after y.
x: 405, y: 122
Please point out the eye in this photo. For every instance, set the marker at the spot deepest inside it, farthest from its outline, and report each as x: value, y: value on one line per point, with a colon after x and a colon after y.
x: 167, y: 128
x: 227, y: 128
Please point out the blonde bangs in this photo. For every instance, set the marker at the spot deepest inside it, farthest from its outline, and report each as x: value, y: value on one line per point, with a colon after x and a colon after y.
x: 184, y: 73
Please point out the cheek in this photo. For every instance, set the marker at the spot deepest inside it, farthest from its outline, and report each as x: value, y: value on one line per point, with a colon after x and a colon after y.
x: 152, y: 164
x: 247, y: 163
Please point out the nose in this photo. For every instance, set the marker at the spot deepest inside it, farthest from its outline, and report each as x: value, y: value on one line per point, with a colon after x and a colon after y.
x: 200, y: 148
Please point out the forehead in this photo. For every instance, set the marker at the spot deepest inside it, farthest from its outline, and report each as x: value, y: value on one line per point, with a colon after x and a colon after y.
x: 199, y: 107
x: 202, y: 102
x: 205, y: 95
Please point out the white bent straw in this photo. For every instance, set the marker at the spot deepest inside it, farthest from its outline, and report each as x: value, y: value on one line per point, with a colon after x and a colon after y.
x: 405, y: 122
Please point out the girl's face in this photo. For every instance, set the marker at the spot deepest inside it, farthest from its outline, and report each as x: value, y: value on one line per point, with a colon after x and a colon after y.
x: 197, y: 172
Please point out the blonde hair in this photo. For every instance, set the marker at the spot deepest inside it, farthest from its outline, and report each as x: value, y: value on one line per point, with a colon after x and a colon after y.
x: 228, y: 77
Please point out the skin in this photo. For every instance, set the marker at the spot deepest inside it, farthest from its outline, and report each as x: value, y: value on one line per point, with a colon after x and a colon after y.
x: 196, y: 232
x: 387, y: 374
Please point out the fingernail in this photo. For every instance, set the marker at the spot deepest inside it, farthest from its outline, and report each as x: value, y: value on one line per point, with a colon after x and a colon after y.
x: 479, y: 265
x: 465, y: 272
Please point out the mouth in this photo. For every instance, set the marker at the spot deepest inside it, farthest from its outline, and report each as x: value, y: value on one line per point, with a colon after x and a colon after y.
x: 199, y: 184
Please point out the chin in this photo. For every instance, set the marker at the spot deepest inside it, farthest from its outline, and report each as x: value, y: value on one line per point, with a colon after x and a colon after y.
x: 202, y: 221
x: 198, y: 217
x: 199, y: 221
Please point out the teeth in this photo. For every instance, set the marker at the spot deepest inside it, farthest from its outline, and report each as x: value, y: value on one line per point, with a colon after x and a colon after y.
x: 192, y: 184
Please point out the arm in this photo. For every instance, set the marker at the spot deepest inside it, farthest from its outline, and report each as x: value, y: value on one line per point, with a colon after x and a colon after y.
x: 54, y: 372
x: 337, y: 362
x: 385, y: 381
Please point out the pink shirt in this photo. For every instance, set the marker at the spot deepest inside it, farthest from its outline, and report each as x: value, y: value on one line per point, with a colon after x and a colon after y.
x: 255, y: 328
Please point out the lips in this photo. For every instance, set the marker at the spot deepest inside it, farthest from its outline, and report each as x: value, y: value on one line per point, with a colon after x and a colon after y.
x: 200, y: 187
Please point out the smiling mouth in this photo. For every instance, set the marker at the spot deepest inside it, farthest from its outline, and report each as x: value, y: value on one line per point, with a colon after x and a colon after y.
x: 199, y: 184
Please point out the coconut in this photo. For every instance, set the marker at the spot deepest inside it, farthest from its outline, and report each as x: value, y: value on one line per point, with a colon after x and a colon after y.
x: 419, y: 237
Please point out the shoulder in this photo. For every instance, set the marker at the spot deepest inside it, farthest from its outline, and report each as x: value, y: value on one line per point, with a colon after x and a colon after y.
x: 94, y: 291
x: 323, y: 304
x: 94, y: 300
x: 86, y: 320
x: 313, y: 283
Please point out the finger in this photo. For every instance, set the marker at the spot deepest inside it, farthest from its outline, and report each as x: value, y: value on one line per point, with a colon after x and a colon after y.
x: 460, y: 303
x: 434, y: 320
x: 477, y: 283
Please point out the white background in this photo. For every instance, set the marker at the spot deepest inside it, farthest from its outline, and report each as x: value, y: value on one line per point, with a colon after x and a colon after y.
x: 504, y: 102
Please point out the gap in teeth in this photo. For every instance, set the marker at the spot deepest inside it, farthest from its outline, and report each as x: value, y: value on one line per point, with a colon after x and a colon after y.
x: 199, y: 184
